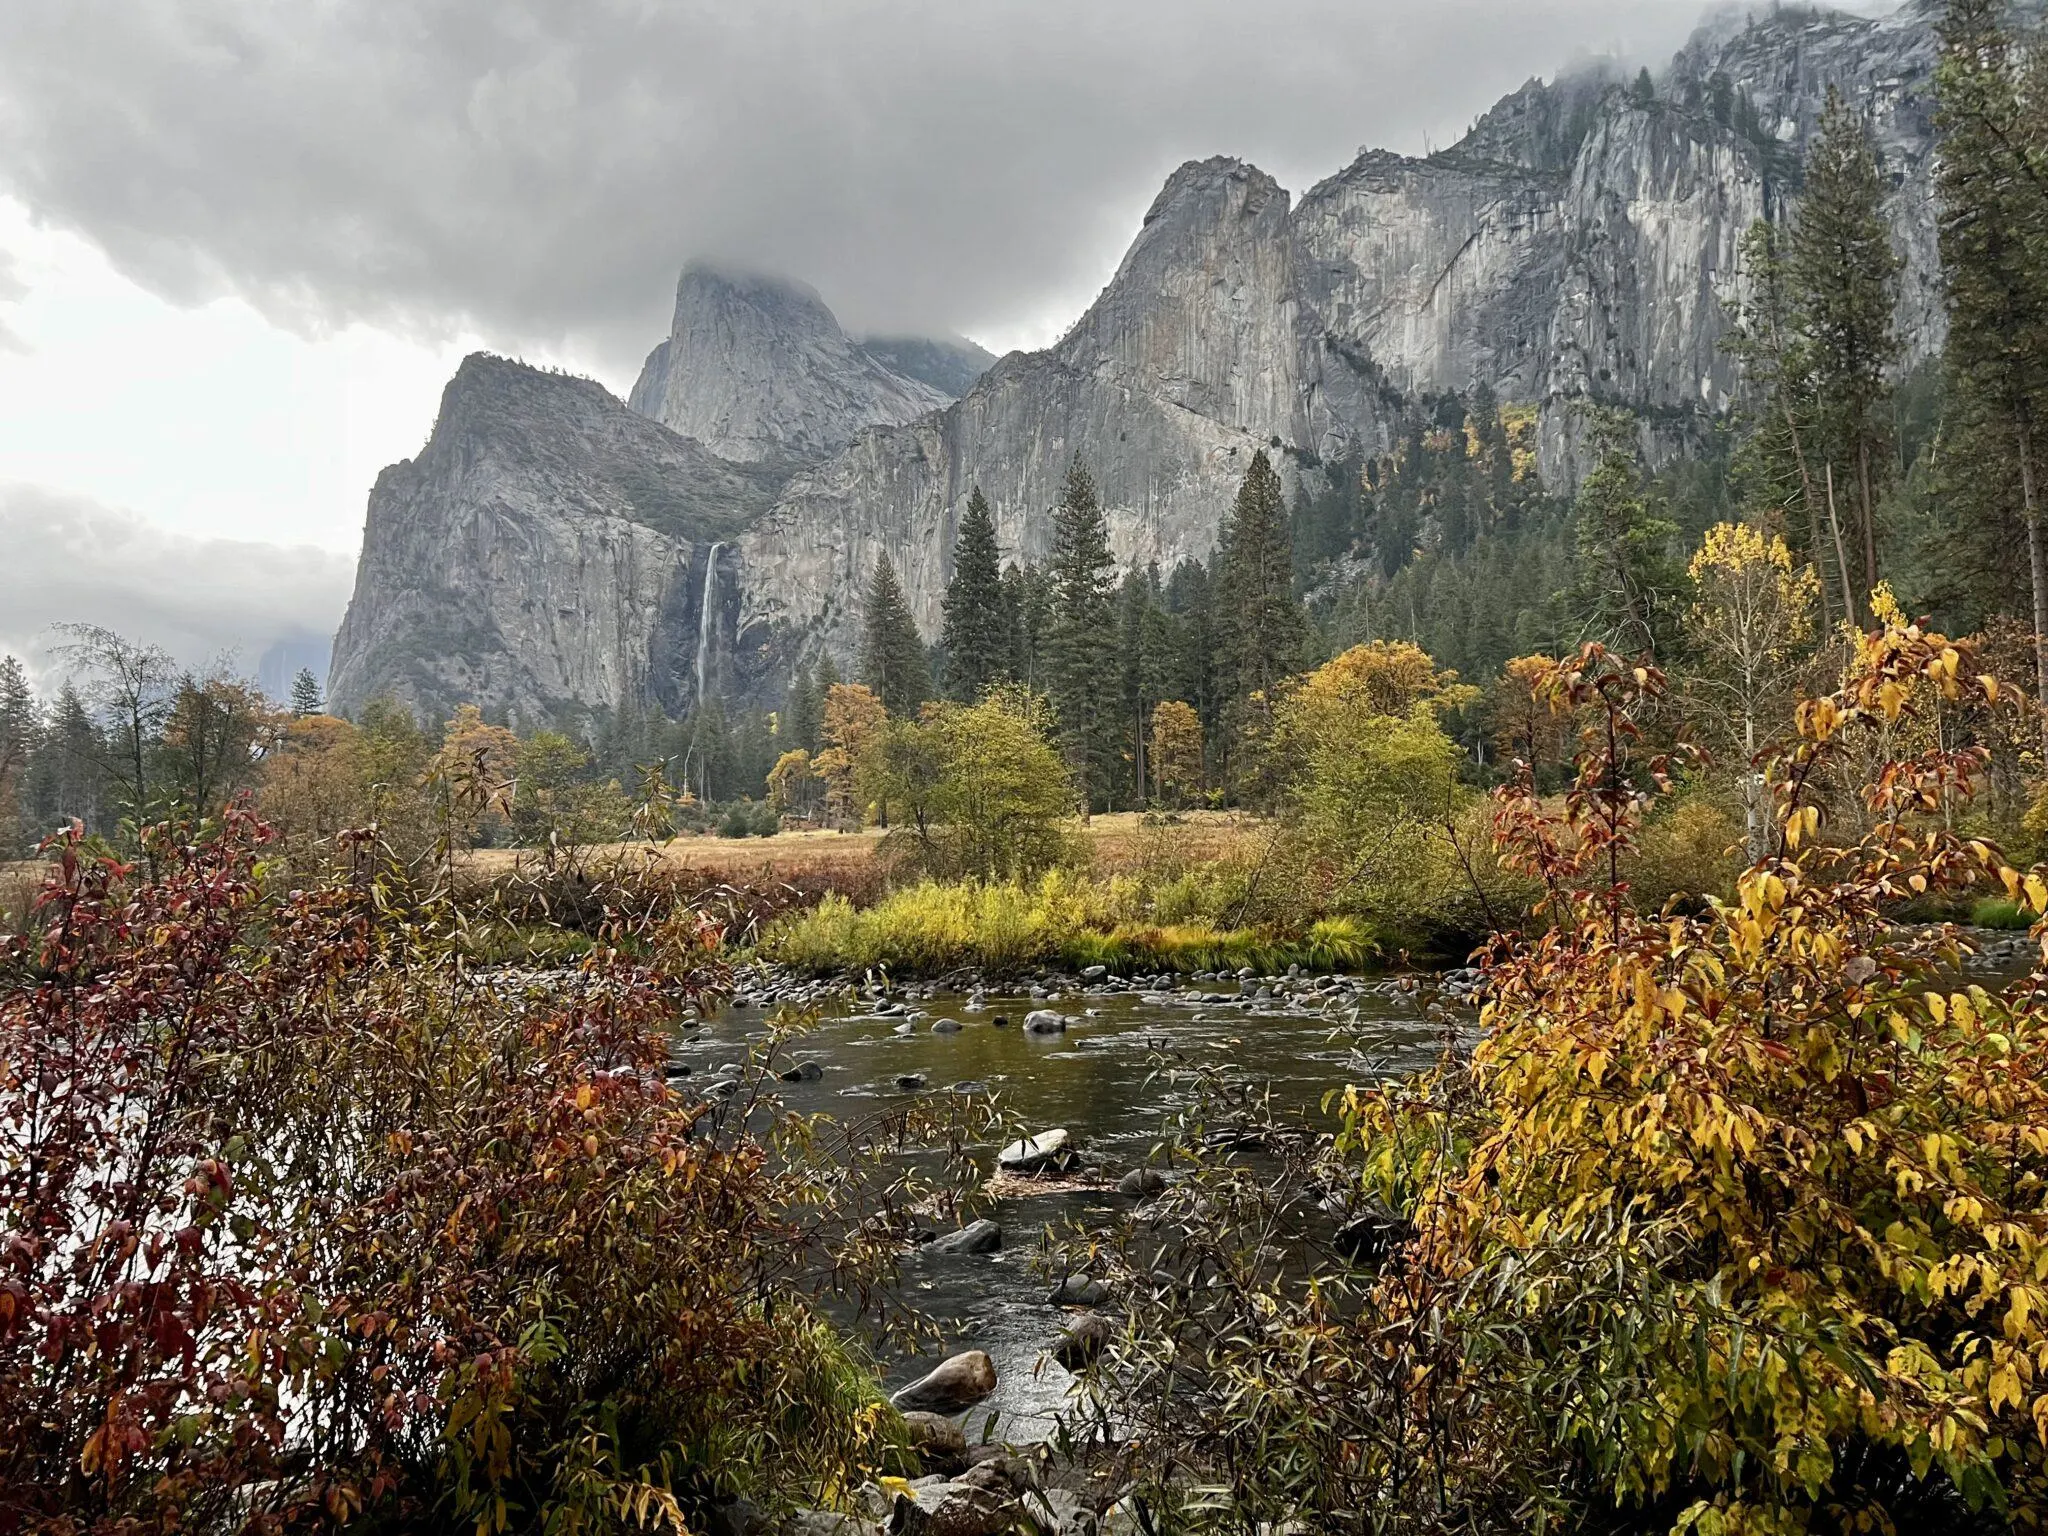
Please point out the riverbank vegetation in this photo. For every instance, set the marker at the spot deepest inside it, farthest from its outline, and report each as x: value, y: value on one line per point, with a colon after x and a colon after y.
x: 311, y: 1223
x: 1732, y: 1223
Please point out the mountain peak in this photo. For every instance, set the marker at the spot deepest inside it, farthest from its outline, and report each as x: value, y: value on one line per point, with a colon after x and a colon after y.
x: 757, y: 368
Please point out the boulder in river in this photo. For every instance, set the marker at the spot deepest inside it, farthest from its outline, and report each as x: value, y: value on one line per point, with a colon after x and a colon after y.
x: 946, y: 1027
x: 956, y: 1383
x: 1036, y: 1154
x: 910, y: 1082
x: 1082, y: 1340
x: 804, y: 1072
x: 1140, y: 1182
x: 982, y: 1236
x: 1044, y: 1021
x: 1079, y: 1291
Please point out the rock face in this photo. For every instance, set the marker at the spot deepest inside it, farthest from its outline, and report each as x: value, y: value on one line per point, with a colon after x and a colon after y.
x: 757, y: 369
x: 549, y: 548
x: 1574, y: 250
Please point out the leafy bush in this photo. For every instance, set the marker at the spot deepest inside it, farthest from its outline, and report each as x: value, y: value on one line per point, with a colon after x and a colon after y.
x: 1733, y: 1223
x: 306, y: 1221
x: 1996, y: 912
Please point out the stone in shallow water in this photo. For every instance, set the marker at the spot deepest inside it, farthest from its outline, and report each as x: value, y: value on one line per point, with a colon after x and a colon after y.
x: 955, y: 1383
x: 1079, y: 1291
x: 1035, y: 1154
x: 946, y: 1027
x: 982, y: 1236
x: 1141, y: 1181
x: 1044, y: 1021
x: 1082, y: 1340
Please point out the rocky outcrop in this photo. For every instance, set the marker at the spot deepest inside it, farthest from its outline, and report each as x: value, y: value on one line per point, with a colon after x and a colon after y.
x: 549, y: 548
x: 1576, y: 250
x: 757, y: 369
x: 1190, y: 361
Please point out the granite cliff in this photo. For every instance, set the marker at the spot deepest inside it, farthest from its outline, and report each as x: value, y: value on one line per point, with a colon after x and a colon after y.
x: 1575, y: 249
x: 550, y: 549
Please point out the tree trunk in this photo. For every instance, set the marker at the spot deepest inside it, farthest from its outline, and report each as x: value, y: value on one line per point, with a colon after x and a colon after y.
x: 1806, y: 491
x: 2037, y: 560
x: 1841, y: 554
x: 1869, y: 517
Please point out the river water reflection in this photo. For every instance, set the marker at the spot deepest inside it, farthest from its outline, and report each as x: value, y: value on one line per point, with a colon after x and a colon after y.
x: 1102, y: 1082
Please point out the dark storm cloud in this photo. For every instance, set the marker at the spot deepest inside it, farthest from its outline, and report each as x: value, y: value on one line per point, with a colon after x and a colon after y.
x: 539, y: 170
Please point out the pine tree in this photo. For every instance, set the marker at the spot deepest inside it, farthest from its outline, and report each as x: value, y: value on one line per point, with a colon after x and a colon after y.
x: 1993, y: 184
x: 1842, y: 279
x: 892, y: 659
x: 1144, y: 644
x: 804, y: 712
x: 976, y: 639
x: 1627, y: 580
x: 1081, y: 670
x: 21, y: 731
x: 1263, y: 634
x: 306, y: 694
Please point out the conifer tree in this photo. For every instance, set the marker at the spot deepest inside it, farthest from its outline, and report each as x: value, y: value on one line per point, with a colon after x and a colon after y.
x: 976, y: 639
x: 1993, y: 185
x: 306, y: 694
x: 1627, y: 580
x: 892, y: 655
x: 1263, y: 634
x: 1842, y: 278
x: 1081, y: 671
x: 804, y: 711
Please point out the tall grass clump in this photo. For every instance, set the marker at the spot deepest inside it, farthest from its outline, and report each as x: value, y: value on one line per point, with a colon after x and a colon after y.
x: 1059, y: 920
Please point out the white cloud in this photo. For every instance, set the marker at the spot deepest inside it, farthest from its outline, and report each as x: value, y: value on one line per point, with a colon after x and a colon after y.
x: 70, y: 560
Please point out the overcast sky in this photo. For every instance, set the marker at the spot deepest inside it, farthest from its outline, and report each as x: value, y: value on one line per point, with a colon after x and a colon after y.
x: 243, y: 242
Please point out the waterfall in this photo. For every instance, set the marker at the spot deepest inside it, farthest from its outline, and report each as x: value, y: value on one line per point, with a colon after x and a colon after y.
x: 705, y: 621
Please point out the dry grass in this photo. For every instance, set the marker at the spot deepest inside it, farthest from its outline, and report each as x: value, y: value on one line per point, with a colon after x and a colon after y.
x: 1119, y: 843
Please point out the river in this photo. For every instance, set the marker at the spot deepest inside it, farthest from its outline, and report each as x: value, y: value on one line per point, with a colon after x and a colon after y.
x: 1105, y: 1081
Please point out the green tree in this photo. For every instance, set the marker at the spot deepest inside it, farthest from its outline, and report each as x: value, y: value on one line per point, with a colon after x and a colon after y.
x: 305, y: 698
x: 1993, y: 184
x: 892, y: 659
x: 209, y: 743
x: 1081, y: 669
x: 1627, y: 581
x: 1776, y: 464
x: 1027, y: 619
x: 1145, y: 646
x: 1263, y: 635
x: 1842, y: 277
x: 978, y: 789
x: 976, y: 638
x: 803, y: 712
x: 21, y: 733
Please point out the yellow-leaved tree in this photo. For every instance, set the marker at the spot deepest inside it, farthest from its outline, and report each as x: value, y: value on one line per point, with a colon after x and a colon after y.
x: 1371, y: 780
x: 1752, y: 613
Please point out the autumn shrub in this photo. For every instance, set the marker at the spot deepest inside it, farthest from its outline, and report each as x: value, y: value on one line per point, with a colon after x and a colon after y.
x: 304, y: 1220
x: 1731, y: 1222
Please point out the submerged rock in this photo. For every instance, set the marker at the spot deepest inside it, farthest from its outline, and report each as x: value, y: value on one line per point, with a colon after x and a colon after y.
x: 1044, y: 1021
x: 1079, y: 1291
